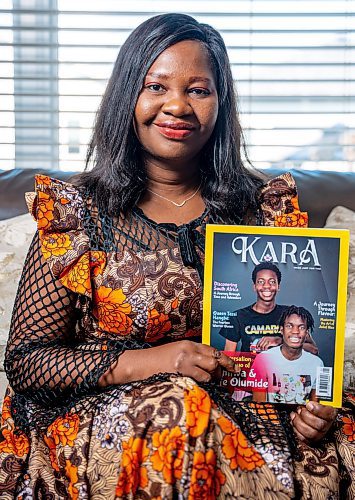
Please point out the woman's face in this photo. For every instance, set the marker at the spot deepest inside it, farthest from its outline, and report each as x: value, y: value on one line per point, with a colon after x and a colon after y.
x: 177, y: 108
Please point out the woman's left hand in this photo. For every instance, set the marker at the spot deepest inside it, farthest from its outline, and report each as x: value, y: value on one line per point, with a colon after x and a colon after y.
x: 313, y: 421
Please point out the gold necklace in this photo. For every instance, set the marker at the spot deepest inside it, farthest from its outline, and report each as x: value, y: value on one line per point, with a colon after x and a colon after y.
x: 174, y: 202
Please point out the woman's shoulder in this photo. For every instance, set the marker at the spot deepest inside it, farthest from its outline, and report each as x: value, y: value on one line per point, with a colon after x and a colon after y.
x: 279, y: 203
x: 56, y: 203
x: 59, y: 209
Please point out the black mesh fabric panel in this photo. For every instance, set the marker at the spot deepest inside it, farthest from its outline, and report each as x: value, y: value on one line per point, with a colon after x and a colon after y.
x: 43, y: 359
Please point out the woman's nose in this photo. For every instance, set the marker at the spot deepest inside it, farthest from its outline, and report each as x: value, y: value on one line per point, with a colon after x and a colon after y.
x: 177, y: 105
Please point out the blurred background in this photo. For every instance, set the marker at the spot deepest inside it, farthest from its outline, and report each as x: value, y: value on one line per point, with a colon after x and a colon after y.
x: 293, y: 62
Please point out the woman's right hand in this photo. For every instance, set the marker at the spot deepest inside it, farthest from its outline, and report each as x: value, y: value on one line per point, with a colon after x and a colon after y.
x: 198, y: 361
x: 191, y: 359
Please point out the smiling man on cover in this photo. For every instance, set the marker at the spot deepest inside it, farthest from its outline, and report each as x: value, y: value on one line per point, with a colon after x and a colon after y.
x: 258, y: 326
x: 290, y: 371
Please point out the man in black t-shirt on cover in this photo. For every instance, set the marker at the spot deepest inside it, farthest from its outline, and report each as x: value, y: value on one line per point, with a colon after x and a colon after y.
x: 257, y: 325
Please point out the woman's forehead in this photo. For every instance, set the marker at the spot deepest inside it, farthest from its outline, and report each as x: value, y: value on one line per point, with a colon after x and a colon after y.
x: 189, y: 56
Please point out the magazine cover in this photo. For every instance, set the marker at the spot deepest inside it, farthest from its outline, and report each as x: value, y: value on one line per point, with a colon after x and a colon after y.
x: 275, y: 301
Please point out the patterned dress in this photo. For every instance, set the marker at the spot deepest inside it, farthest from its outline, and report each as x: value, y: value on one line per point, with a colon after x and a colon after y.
x: 93, y: 287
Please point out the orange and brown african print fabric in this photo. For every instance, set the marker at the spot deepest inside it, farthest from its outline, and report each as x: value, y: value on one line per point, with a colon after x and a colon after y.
x: 83, y: 299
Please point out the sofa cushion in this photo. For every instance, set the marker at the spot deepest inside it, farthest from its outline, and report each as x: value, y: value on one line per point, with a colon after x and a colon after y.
x: 343, y: 218
x: 15, y: 237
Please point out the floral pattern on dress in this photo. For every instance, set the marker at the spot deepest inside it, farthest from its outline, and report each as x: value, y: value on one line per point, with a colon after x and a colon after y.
x: 133, y: 473
x: 206, y: 479
x: 158, y: 439
x: 294, y: 219
x: 169, y: 450
x: 112, y: 310
x: 349, y: 428
x: 236, y: 448
x: 198, y: 409
x: 279, y: 203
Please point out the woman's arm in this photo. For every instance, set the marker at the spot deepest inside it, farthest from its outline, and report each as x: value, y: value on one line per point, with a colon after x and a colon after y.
x: 45, y: 360
x: 184, y: 357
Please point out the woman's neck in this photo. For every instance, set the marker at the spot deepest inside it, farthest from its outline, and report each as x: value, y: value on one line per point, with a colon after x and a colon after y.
x: 174, y: 181
x: 172, y: 195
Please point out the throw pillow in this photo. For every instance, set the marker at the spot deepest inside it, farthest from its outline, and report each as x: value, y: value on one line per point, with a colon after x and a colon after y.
x: 15, y: 237
x: 343, y: 218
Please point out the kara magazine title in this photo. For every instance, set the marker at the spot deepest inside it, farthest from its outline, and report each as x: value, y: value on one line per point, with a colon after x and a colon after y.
x: 275, y: 301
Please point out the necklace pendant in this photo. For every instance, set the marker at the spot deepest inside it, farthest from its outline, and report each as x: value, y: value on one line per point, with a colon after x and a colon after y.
x: 179, y: 204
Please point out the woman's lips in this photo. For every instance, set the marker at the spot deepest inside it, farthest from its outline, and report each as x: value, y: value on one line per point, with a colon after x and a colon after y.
x: 175, y: 130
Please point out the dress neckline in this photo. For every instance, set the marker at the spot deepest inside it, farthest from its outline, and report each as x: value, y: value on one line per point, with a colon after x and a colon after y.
x: 171, y: 226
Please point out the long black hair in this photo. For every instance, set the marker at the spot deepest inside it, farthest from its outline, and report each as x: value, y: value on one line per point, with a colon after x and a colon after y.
x: 118, y: 177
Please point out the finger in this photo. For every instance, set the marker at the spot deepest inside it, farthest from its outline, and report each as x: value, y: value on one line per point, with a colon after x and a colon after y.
x: 207, y: 350
x: 200, y: 375
x: 307, y: 431
x: 313, y: 421
x: 228, y: 363
x: 207, y: 362
x: 325, y: 412
x: 300, y: 437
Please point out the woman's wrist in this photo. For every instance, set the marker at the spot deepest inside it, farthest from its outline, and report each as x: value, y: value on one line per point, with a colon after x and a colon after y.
x: 133, y: 365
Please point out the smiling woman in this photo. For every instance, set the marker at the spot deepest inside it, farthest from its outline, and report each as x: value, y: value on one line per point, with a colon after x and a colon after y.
x: 112, y: 394
x: 178, y: 101
x: 174, y: 118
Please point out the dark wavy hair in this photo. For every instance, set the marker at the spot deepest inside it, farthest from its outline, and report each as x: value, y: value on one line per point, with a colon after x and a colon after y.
x: 118, y: 177
x: 302, y: 312
x: 270, y: 267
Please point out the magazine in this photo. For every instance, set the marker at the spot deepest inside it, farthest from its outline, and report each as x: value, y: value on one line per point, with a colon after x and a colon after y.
x: 275, y: 301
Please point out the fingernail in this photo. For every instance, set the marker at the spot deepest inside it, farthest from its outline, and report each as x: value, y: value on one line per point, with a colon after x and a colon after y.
x: 292, y: 415
x: 310, y: 406
x: 299, y: 409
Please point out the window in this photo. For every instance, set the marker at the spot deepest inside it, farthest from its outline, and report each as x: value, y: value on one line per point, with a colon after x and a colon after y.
x: 294, y: 65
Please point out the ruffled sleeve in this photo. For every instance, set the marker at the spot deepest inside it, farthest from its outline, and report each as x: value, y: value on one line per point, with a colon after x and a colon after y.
x: 48, y: 360
x: 279, y: 203
x: 58, y: 208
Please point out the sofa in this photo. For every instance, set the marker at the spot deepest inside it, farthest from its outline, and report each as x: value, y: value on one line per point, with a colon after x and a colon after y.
x: 328, y: 197
x: 319, y: 191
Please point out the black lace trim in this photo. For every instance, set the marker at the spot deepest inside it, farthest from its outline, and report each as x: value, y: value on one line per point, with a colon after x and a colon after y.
x: 38, y: 409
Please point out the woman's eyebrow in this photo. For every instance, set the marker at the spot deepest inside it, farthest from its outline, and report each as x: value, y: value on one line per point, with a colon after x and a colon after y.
x: 157, y: 75
x: 199, y: 79
x: 165, y: 76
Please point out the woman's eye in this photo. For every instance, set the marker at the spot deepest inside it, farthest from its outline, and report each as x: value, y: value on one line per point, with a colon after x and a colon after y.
x: 198, y: 91
x: 155, y: 87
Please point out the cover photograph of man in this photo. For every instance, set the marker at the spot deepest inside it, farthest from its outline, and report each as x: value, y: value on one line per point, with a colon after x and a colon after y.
x: 256, y: 327
x: 289, y: 370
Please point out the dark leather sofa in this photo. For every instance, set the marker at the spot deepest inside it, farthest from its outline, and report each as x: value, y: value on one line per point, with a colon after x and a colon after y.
x: 319, y: 191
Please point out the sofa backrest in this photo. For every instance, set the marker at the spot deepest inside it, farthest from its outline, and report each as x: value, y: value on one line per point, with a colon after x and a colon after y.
x: 319, y: 191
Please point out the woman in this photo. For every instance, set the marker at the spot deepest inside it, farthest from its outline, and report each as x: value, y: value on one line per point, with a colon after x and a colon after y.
x: 103, y: 403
